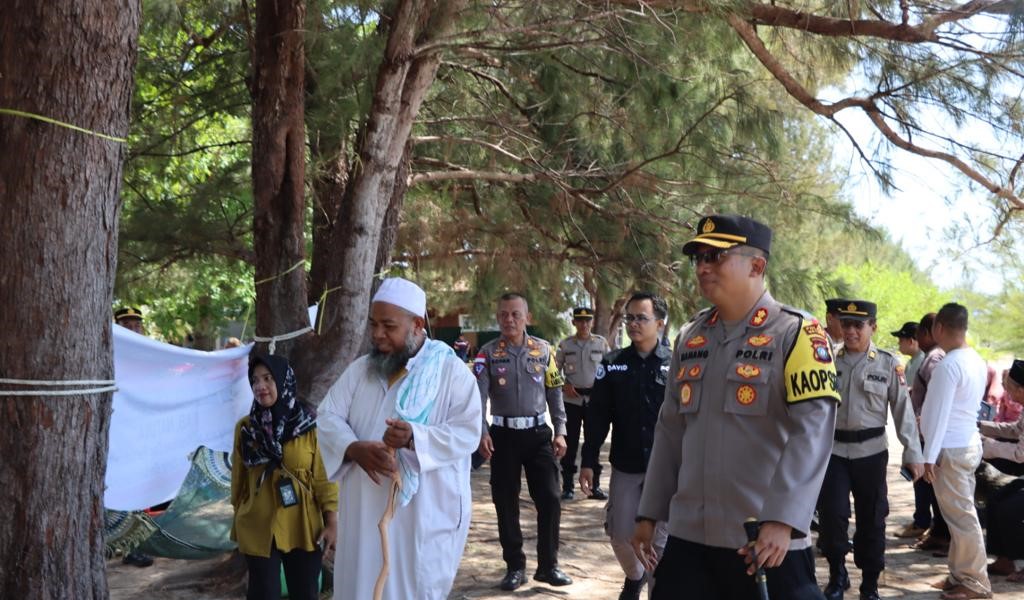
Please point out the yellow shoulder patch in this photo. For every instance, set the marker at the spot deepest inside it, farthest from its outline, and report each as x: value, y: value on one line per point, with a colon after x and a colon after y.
x: 552, y: 376
x: 810, y: 372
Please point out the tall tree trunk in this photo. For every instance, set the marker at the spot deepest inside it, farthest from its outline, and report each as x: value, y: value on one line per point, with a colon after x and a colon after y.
x: 278, y: 169
x: 71, y: 61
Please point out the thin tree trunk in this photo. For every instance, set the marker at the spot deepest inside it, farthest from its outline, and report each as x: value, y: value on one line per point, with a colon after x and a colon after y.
x: 278, y: 170
x: 71, y: 61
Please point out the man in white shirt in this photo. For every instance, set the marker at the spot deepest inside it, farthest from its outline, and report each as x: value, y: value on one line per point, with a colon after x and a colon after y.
x: 953, y: 451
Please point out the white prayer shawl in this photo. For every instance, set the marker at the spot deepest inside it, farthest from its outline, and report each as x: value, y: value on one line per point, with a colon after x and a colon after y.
x: 428, y: 535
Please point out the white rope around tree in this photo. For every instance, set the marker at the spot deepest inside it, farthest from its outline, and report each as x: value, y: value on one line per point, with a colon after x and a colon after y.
x: 281, y: 338
x: 100, y: 386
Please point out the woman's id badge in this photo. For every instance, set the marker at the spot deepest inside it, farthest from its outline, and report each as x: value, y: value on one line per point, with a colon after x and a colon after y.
x: 287, y: 492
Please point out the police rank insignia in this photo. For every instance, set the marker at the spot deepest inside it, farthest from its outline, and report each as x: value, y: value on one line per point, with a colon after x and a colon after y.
x: 694, y: 371
x: 685, y: 394
x: 746, y: 394
x: 760, y: 316
x: 747, y: 371
x: 696, y: 341
x: 759, y: 340
x: 714, y: 318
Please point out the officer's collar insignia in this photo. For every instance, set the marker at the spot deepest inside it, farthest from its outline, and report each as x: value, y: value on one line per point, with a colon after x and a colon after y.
x: 748, y: 371
x: 709, y: 226
x: 760, y: 316
x: 502, y: 344
x: 696, y: 341
x: 685, y: 394
x: 872, y: 355
x: 529, y: 342
x: 760, y: 340
x: 746, y: 394
x: 841, y: 352
x: 694, y: 371
x: 714, y: 318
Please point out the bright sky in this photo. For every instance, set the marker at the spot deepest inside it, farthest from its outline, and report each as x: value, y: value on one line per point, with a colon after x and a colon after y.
x: 931, y: 196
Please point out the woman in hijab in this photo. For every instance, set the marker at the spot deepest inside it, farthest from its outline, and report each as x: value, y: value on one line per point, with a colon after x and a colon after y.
x: 285, y: 508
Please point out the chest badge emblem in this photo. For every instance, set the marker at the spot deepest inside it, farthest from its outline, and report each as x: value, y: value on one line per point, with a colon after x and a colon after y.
x: 694, y: 371
x: 760, y: 340
x: 748, y: 371
x: 696, y: 341
x: 746, y: 394
x: 760, y: 316
x: 685, y: 394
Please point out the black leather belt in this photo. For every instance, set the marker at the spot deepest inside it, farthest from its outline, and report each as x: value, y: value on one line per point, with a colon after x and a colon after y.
x: 853, y: 436
x: 582, y: 391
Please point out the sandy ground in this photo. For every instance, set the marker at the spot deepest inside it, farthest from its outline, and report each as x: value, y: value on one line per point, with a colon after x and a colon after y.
x: 585, y: 555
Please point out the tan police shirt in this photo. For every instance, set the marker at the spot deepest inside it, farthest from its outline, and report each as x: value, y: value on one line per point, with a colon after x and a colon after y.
x: 746, y: 427
x: 521, y: 381
x: 993, y: 433
x: 578, y: 360
x: 871, y: 384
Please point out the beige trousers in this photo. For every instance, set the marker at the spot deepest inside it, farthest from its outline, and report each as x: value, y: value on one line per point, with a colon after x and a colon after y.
x: 954, y: 490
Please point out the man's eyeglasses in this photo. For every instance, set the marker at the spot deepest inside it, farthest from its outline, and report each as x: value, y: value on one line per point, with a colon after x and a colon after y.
x: 641, y: 319
x: 715, y: 256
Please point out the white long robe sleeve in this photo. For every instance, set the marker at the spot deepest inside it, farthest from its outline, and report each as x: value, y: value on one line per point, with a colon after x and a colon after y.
x: 428, y: 535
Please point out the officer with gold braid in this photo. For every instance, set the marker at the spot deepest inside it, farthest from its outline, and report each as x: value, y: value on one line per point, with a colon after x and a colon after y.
x: 744, y: 432
x: 871, y: 383
x: 517, y: 372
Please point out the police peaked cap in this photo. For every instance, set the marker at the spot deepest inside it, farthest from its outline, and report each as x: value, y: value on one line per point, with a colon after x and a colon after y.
x: 832, y: 305
x: 908, y: 330
x: 127, y: 312
x: 726, y: 231
x: 858, y: 310
x: 1017, y: 372
x: 582, y: 312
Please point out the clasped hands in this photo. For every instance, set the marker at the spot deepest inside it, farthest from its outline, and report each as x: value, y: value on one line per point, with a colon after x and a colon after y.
x: 377, y: 459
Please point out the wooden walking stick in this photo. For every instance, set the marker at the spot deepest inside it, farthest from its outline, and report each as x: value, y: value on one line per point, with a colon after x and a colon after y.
x: 382, y: 526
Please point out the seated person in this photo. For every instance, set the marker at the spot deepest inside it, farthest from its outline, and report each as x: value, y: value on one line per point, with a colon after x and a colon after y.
x: 1003, y: 443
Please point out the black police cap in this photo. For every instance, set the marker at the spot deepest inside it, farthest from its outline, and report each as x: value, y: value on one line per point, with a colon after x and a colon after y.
x: 127, y: 312
x: 832, y: 304
x: 582, y: 312
x: 1017, y: 372
x: 726, y: 231
x: 858, y: 310
x: 909, y: 330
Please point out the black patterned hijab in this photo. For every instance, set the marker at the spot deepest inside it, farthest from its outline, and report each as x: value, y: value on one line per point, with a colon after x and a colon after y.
x: 269, y: 428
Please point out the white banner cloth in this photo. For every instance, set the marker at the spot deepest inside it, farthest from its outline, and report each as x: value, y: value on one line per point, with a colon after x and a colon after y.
x: 170, y: 400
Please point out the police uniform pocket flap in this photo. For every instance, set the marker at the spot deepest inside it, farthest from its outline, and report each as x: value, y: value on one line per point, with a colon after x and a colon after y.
x: 747, y: 390
x: 596, y: 356
x: 876, y: 384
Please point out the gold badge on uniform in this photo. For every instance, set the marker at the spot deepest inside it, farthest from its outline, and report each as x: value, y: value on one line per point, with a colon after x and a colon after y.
x: 708, y: 227
x: 685, y: 394
x: 746, y: 394
x: 681, y: 373
x: 760, y: 340
x: 760, y: 316
x: 535, y: 352
x: 694, y: 371
x: 748, y: 371
x: 696, y: 341
x: 538, y: 368
x: 501, y: 381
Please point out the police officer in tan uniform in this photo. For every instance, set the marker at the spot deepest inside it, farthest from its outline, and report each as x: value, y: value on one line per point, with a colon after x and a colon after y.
x: 578, y: 357
x: 871, y: 383
x: 518, y: 373
x: 745, y: 431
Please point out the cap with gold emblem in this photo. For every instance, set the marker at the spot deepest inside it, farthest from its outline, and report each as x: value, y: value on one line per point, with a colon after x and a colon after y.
x: 832, y: 305
x: 726, y: 231
x: 127, y: 312
x: 582, y: 312
x: 857, y: 310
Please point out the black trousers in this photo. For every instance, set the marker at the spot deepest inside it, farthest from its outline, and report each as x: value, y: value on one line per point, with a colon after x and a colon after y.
x: 926, y: 509
x: 865, y: 477
x: 301, y: 569
x: 575, y: 417
x: 1007, y: 466
x: 689, y: 571
x: 514, y: 450
x: 1005, y: 519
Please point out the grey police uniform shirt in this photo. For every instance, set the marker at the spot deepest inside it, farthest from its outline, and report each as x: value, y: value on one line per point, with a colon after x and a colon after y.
x: 578, y: 360
x: 521, y: 381
x: 871, y: 384
x: 746, y: 427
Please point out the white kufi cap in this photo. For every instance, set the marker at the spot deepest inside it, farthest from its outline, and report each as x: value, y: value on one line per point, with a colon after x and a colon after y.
x: 403, y: 294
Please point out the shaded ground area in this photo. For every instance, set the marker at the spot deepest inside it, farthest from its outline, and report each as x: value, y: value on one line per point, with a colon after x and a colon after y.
x: 585, y: 555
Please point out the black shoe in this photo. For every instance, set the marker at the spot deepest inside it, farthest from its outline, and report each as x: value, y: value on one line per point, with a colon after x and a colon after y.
x: 631, y: 589
x: 568, y: 494
x: 870, y: 595
x: 553, y: 576
x: 838, y: 582
x: 513, y: 579
x: 137, y: 559
x: 598, y: 494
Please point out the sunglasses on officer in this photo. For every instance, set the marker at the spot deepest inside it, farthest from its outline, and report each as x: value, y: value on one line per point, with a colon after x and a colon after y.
x: 715, y: 256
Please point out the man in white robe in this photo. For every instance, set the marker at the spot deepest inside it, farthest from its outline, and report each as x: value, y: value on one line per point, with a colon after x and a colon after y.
x: 360, y: 432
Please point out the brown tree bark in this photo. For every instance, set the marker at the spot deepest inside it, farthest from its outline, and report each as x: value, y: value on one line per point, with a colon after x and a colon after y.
x: 71, y: 61
x: 279, y: 170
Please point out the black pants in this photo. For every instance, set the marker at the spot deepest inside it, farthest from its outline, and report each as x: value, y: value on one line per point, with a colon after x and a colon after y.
x: 1007, y: 466
x: 689, y: 571
x: 301, y: 569
x: 575, y: 416
x: 865, y: 477
x: 1005, y: 519
x: 926, y: 510
x: 514, y: 450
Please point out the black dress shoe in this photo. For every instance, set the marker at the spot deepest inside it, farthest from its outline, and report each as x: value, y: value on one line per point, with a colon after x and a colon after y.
x: 137, y: 559
x: 552, y: 576
x: 598, y: 494
x: 568, y: 495
x: 513, y: 579
x: 870, y: 595
x: 838, y: 582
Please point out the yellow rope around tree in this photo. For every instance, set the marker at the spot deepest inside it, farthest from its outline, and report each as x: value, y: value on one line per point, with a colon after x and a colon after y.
x: 382, y: 526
